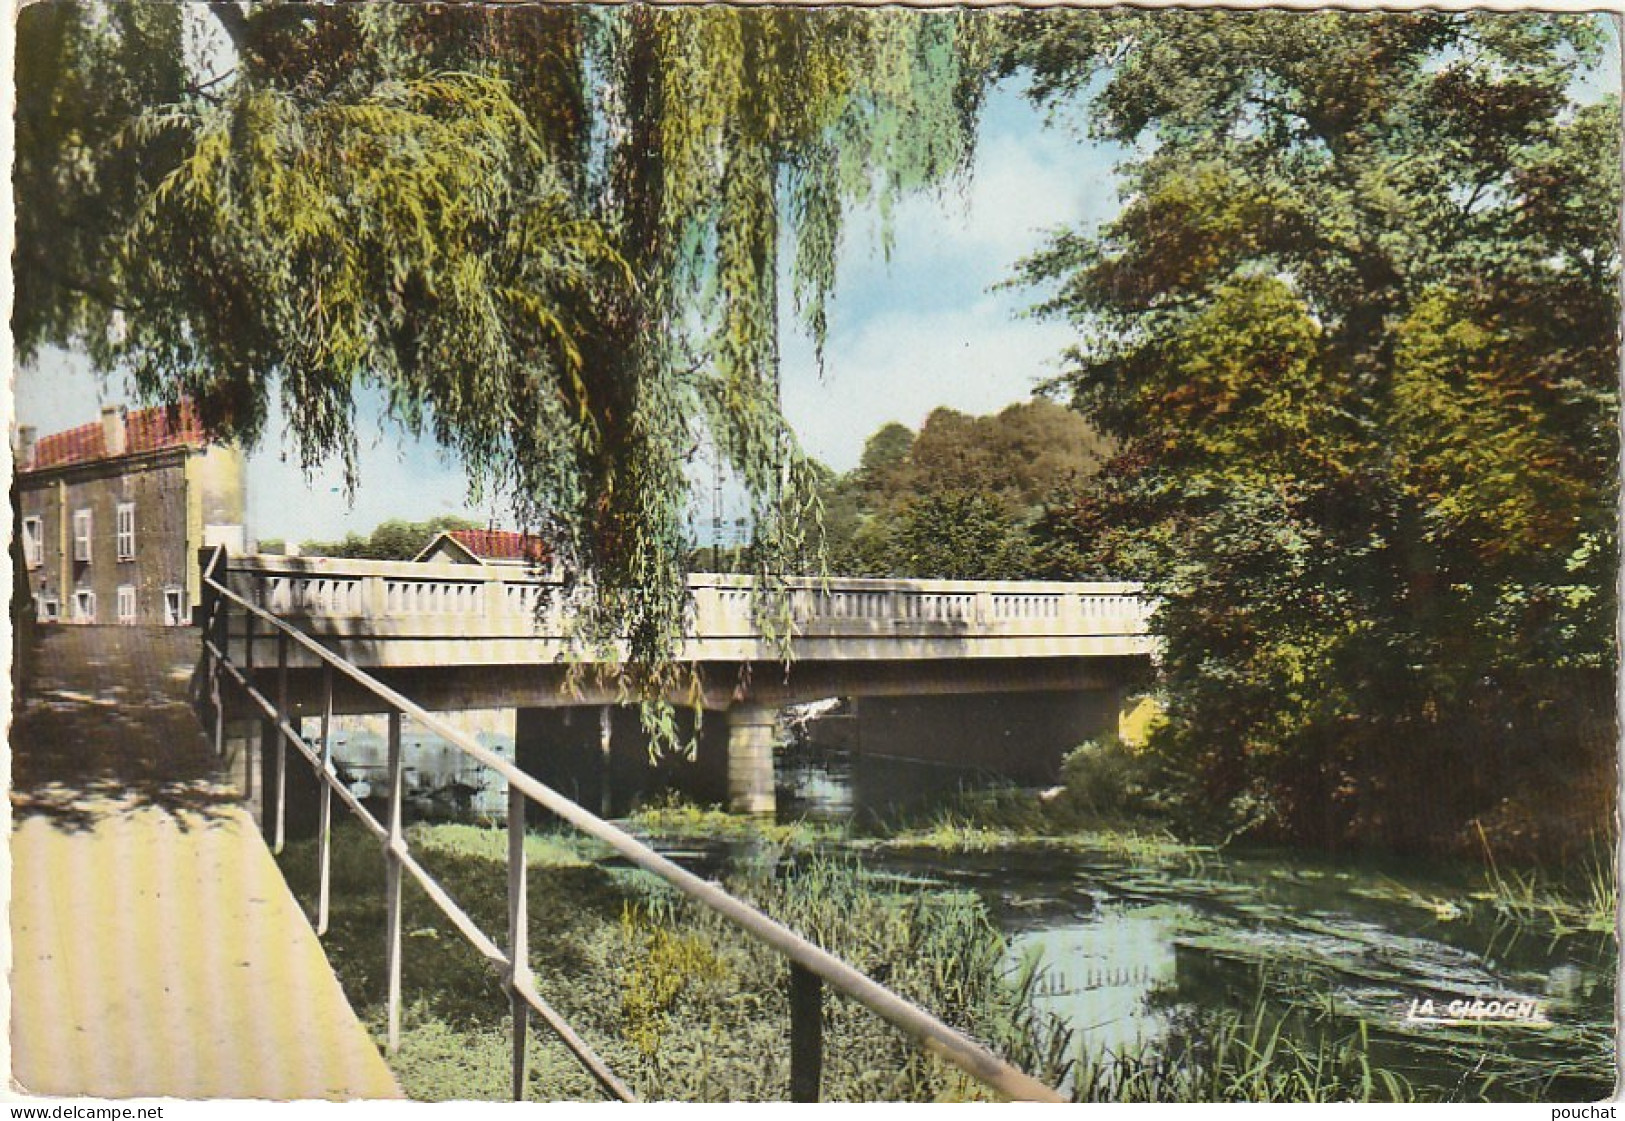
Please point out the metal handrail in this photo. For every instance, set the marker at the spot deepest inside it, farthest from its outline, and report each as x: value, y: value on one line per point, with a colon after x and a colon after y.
x: 811, y: 966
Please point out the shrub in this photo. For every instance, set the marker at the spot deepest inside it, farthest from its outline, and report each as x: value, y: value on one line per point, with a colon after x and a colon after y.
x: 1107, y: 779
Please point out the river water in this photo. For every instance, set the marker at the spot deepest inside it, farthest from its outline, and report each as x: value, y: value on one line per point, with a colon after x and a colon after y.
x: 1143, y: 946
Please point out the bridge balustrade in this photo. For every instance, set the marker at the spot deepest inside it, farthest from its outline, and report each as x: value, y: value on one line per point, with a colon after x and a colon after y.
x: 811, y: 968
x: 387, y: 600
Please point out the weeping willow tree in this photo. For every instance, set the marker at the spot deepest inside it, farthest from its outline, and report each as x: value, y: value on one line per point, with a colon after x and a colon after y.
x: 552, y: 237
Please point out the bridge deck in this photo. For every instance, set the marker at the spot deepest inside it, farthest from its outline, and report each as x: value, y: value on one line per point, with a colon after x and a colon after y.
x: 157, y: 951
x: 396, y: 615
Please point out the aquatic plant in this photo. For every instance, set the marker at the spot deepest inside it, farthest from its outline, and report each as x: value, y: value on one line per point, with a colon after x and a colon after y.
x: 1585, y: 901
x: 686, y: 1007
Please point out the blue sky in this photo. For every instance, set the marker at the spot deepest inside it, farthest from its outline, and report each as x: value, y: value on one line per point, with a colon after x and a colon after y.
x: 927, y: 327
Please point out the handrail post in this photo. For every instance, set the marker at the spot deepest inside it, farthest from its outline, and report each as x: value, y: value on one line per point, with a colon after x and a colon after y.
x: 324, y: 810
x: 392, y: 883
x: 606, y: 733
x: 219, y: 712
x: 518, y: 935
x: 248, y: 641
x: 222, y: 626
x: 806, y: 1033
x: 281, y: 740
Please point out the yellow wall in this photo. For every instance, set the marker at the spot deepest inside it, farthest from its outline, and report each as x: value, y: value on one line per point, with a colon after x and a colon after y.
x: 1139, y: 715
x: 216, y: 494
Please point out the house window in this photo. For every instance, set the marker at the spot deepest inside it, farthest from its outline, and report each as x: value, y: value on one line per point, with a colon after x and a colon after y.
x: 33, y: 542
x: 50, y: 609
x: 84, y: 606
x: 126, y: 531
x: 81, y: 535
x: 126, y: 603
x: 174, y: 607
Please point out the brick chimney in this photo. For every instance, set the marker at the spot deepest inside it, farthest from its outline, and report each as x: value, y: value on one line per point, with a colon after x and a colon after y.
x: 113, y: 436
x: 26, y: 434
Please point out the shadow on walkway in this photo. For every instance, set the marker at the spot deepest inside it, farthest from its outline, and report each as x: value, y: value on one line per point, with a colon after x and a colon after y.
x: 104, y: 725
x: 156, y: 948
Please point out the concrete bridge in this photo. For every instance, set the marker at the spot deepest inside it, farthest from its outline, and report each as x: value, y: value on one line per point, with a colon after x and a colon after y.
x: 1026, y: 669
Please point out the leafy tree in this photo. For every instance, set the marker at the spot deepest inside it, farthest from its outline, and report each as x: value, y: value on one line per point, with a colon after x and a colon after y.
x: 1354, y: 330
x: 394, y: 539
x: 82, y: 75
x: 1018, y: 456
x: 959, y: 499
x: 884, y: 455
x: 954, y: 535
x: 548, y: 236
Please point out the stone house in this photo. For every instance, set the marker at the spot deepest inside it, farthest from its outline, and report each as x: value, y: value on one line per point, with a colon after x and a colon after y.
x: 112, y: 514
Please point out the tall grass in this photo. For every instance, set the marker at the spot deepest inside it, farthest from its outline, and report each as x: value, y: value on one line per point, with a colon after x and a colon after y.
x: 1241, y: 1059
x: 686, y: 1007
x: 1588, y: 901
x: 682, y: 1004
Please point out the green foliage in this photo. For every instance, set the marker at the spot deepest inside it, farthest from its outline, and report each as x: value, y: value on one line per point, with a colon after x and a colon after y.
x: 672, y: 817
x: 1354, y: 330
x: 885, y: 451
x: 1531, y: 900
x: 1108, y: 780
x: 960, y: 499
x: 542, y: 850
x: 1243, y: 1059
x: 678, y: 1001
x: 83, y: 72
x: 663, y: 965
x: 954, y: 535
x: 550, y: 238
x: 1074, y: 818
x: 395, y: 539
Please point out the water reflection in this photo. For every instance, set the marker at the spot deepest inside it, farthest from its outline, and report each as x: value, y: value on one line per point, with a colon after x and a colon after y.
x: 1138, y: 948
x: 823, y: 785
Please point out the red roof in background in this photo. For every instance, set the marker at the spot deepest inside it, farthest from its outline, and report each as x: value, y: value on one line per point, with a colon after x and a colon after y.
x: 146, y: 430
x: 502, y: 544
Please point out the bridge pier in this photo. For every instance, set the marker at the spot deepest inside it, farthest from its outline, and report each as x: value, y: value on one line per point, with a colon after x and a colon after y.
x: 752, y: 732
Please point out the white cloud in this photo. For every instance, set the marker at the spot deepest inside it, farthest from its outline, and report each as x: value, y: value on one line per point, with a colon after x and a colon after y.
x: 1022, y: 188
x: 900, y: 365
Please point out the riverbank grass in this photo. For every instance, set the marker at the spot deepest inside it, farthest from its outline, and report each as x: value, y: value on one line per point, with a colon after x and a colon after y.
x: 680, y: 1003
x: 1586, y: 901
x: 684, y: 1007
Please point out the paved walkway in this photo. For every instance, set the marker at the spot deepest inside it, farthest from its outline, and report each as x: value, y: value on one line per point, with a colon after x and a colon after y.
x: 156, y: 949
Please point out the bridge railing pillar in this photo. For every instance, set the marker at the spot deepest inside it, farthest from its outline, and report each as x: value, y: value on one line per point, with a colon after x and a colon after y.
x: 1071, y: 610
x: 494, y: 600
x: 752, y: 732
x: 374, y: 597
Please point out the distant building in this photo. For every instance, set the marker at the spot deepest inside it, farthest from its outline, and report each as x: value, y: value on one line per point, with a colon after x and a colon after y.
x: 487, y: 546
x: 113, y: 513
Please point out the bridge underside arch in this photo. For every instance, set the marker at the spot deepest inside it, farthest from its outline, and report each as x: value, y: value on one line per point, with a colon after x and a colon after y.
x: 720, y: 685
x: 578, y: 732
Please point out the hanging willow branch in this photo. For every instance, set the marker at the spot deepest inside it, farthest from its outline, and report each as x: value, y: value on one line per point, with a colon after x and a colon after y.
x: 553, y: 240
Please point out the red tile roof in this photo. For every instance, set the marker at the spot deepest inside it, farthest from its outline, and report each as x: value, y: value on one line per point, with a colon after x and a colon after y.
x: 146, y: 430
x: 502, y: 544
